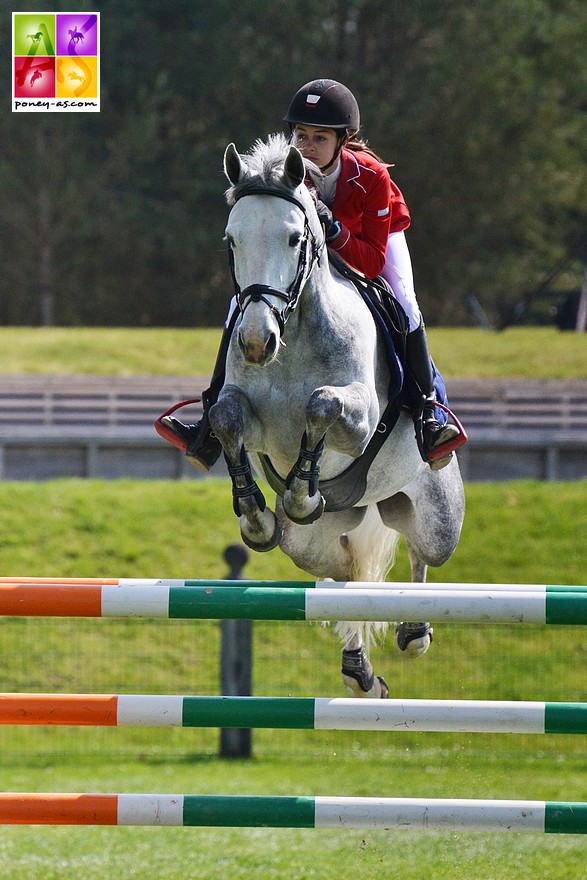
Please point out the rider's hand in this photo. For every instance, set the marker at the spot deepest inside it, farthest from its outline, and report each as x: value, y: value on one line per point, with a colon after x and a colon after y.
x: 332, y: 227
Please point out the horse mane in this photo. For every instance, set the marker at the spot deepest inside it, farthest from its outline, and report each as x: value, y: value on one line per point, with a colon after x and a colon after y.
x: 265, y: 162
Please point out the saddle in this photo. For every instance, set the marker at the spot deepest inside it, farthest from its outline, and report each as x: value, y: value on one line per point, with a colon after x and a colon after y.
x: 393, y: 325
x: 389, y: 316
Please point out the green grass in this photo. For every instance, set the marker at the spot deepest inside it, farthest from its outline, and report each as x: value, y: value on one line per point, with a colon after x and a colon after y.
x: 126, y: 528
x: 519, y: 532
x: 526, y: 352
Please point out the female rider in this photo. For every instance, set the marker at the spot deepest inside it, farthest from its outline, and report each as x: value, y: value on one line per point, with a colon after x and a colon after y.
x: 364, y: 217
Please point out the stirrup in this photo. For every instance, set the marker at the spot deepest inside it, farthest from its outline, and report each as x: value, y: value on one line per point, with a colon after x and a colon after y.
x: 200, y: 445
x: 168, y: 433
x: 443, y: 450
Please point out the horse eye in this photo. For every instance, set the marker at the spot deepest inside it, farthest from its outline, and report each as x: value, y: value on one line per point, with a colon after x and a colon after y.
x: 294, y: 239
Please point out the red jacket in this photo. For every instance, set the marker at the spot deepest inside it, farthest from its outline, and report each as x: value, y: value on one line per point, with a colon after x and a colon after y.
x: 369, y: 206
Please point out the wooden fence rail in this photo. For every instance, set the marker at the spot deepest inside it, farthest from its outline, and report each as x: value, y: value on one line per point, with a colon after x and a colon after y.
x: 101, y: 426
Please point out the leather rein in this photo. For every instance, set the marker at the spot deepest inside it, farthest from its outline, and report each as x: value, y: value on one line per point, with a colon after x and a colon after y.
x: 310, y: 252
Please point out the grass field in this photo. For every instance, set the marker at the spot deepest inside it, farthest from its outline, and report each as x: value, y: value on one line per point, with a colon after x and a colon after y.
x: 518, y: 532
x: 524, y: 352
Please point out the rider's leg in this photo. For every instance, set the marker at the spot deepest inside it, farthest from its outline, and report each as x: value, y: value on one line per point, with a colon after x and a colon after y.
x: 418, y: 363
x: 202, y: 446
x: 398, y: 273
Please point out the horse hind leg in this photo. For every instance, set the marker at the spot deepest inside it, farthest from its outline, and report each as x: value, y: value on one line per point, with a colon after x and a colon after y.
x: 431, y: 526
x: 357, y: 671
x: 414, y: 638
x: 372, y: 548
x: 347, y: 546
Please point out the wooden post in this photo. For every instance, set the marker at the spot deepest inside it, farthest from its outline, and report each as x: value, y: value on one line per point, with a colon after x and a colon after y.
x: 236, y: 637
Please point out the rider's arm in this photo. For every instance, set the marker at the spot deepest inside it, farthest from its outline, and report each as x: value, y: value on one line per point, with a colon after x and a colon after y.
x: 375, y: 208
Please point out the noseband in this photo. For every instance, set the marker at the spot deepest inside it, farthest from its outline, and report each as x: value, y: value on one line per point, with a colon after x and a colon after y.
x: 308, y: 247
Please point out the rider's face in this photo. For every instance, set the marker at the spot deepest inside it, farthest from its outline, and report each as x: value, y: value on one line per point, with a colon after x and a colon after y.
x: 316, y: 144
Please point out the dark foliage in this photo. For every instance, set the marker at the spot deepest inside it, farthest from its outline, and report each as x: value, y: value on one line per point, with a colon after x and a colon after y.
x: 117, y: 218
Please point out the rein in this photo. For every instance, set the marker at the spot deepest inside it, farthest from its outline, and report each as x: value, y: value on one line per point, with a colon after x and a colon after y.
x: 308, y: 247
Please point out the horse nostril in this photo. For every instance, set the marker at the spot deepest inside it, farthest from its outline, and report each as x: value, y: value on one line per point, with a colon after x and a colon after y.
x: 271, y: 346
x: 241, y: 344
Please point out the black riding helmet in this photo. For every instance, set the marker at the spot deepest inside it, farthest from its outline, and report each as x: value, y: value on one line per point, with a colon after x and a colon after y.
x: 326, y: 103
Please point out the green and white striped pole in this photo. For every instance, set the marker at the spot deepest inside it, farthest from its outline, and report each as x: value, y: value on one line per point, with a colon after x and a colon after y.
x: 207, y: 582
x: 293, y: 713
x: 407, y: 814
x: 328, y: 601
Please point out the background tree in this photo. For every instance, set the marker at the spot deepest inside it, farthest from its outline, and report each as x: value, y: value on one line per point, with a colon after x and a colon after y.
x: 118, y: 217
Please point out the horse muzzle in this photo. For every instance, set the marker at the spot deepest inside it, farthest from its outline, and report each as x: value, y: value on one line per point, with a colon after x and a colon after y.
x: 262, y: 324
x: 258, y: 349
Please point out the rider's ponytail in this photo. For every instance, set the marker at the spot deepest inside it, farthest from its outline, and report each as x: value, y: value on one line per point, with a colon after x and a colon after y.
x: 358, y: 144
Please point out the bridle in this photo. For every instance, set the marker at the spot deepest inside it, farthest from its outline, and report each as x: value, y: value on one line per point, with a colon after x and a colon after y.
x: 310, y: 252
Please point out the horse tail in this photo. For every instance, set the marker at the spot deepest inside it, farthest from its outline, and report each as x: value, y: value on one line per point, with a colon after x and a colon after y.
x: 373, y: 548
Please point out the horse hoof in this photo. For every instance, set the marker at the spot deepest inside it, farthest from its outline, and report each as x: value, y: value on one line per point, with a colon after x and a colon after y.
x: 413, y: 639
x: 311, y: 517
x: 378, y: 690
x: 264, y: 546
x: 384, y: 695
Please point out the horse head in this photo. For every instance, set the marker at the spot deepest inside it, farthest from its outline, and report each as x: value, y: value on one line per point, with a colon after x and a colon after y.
x: 275, y: 241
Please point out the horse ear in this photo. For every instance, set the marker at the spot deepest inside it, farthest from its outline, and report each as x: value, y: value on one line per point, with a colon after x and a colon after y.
x: 234, y: 167
x: 294, y: 168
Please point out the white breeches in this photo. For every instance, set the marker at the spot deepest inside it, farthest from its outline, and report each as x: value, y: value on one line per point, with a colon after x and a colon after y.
x: 398, y: 274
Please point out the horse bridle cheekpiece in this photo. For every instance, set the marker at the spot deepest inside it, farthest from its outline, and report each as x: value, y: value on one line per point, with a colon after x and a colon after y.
x: 308, y: 244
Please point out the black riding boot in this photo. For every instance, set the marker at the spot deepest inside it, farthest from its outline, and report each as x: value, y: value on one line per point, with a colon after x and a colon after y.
x: 202, y: 447
x: 419, y: 365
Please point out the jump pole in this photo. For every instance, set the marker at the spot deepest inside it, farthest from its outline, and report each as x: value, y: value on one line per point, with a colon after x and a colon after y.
x: 293, y: 713
x: 383, y: 585
x: 328, y: 602
x: 390, y: 814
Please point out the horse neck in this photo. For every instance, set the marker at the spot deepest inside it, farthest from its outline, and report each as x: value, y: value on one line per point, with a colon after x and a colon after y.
x: 321, y: 295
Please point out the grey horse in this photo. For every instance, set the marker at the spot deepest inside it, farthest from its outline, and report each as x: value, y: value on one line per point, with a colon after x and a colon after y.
x: 306, y: 390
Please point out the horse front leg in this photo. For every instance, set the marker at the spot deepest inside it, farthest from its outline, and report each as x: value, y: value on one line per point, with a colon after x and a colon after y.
x: 338, y: 416
x: 259, y: 527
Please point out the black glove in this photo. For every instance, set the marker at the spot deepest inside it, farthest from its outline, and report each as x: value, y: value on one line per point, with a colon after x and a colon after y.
x: 332, y: 227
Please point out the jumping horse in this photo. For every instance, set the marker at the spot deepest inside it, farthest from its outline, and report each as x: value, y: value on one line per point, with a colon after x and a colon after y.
x: 306, y: 399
